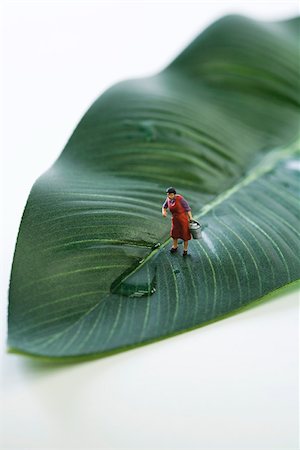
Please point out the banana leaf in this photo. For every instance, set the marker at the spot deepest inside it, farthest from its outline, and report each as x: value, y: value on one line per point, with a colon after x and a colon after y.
x: 92, y: 273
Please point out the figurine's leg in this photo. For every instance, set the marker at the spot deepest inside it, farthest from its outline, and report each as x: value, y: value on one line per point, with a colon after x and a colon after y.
x: 175, y: 243
x: 185, y: 245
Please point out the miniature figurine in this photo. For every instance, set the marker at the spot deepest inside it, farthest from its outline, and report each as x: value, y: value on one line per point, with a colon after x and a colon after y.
x: 181, y: 214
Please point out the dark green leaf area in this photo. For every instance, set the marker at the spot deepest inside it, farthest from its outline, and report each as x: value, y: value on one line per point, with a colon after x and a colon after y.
x: 250, y: 247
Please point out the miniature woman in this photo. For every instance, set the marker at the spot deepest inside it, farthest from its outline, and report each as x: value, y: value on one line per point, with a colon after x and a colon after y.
x: 181, y: 214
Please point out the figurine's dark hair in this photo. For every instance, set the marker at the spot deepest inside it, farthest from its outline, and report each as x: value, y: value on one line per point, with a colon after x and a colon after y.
x: 171, y: 190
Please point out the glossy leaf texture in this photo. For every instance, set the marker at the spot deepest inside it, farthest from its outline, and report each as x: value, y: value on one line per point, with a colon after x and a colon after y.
x: 92, y: 272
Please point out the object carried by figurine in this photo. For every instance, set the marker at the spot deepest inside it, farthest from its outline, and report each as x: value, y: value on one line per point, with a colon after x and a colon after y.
x: 195, y: 229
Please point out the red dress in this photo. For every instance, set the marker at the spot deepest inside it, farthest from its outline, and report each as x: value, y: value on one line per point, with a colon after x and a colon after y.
x: 180, y: 220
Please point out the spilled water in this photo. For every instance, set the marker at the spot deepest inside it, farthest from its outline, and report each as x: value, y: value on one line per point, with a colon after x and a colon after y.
x: 139, y: 281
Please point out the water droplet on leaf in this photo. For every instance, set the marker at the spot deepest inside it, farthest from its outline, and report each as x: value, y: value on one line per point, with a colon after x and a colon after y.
x: 148, y: 129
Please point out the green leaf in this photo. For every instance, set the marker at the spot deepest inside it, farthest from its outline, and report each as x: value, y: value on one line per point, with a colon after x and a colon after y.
x: 92, y: 272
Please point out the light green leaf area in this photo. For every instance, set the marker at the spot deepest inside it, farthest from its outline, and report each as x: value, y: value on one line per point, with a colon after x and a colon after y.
x: 92, y: 272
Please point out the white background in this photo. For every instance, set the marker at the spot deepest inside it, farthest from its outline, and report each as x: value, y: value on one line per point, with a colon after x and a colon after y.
x: 229, y: 385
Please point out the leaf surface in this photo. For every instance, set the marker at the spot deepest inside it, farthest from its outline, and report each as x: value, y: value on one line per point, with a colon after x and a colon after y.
x: 92, y: 272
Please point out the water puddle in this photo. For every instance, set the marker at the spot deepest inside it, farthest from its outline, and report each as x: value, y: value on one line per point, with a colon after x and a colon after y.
x: 140, y: 283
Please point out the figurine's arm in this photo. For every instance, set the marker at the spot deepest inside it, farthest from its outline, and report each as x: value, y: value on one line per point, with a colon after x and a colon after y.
x: 187, y: 208
x: 164, y: 208
x: 189, y: 213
